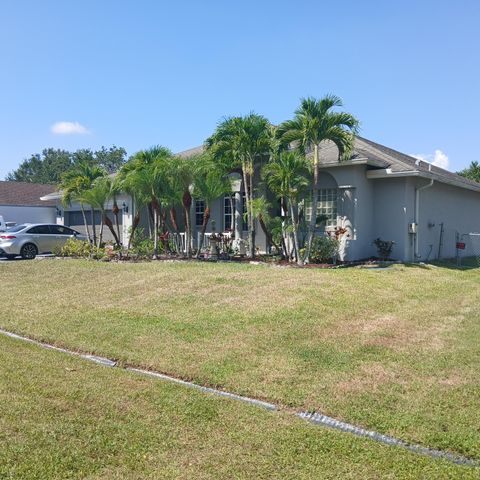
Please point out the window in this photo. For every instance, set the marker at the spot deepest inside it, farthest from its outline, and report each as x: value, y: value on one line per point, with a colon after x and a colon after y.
x: 17, y: 228
x: 327, y: 205
x: 40, y: 230
x: 199, y: 212
x: 227, y: 213
x: 61, y: 230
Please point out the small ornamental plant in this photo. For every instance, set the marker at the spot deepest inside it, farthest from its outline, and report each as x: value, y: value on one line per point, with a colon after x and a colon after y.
x: 384, y: 248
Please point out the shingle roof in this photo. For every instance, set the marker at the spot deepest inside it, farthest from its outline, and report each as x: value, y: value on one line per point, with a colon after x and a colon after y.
x: 400, y: 162
x: 380, y: 156
x: 25, y: 193
x: 191, y: 151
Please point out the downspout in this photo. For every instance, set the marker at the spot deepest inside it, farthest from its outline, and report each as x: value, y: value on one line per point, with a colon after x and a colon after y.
x: 417, y: 216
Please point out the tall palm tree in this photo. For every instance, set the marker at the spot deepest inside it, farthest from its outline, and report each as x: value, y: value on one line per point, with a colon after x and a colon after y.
x: 134, y: 181
x: 182, y: 174
x: 241, y: 142
x: 98, y: 196
x: 287, y: 177
x: 76, y: 183
x: 143, y: 177
x: 315, y: 122
x: 211, y: 182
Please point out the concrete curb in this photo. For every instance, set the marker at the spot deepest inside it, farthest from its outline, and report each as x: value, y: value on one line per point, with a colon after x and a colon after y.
x: 311, y: 417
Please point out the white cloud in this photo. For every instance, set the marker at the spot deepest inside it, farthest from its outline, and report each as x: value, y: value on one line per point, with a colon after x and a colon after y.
x: 68, y: 128
x: 438, y: 158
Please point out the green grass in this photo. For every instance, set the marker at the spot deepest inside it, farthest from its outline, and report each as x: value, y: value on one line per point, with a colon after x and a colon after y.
x: 395, y: 350
x: 63, y: 418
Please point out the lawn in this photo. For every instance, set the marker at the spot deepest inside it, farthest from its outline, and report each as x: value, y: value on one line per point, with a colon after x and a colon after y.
x: 394, y: 350
x: 63, y: 418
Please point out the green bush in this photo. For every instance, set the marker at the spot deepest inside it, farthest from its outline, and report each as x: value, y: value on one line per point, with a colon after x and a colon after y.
x: 79, y: 249
x: 142, y: 245
x: 324, y: 250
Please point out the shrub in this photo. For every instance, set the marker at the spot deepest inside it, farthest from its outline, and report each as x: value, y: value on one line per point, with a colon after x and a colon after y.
x: 384, y: 248
x: 142, y: 245
x: 79, y: 249
x: 324, y: 250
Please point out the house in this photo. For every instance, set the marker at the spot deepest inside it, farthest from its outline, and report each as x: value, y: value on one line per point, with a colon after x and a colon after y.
x: 20, y: 203
x: 377, y: 193
x: 381, y: 193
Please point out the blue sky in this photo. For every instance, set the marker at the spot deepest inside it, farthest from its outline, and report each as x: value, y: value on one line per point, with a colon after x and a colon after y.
x: 138, y: 73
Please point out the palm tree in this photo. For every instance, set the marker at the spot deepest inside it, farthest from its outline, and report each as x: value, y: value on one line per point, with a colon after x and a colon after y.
x: 241, y: 142
x: 182, y: 174
x: 159, y: 159
x: 286, y: 176
x: 260, y: 212
x: 116, y: 190
x: 98, y: 196
x: 134, y: 181
x: 75, y: 184
x: 143, y: 177
x: 314, y: 123
x: 211, y: 182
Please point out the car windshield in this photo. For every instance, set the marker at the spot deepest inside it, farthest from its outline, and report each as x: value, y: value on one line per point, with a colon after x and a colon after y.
x: 17, y: 228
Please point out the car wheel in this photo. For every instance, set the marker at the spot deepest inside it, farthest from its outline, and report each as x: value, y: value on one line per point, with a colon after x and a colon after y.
x: 29, y: 251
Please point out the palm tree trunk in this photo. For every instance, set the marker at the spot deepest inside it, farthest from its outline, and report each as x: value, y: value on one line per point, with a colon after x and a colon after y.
x: 295, y: 234
x: 136, y: 221
x: 252, y: 219
x: 246, y: 186
x: 313, y: 218
x: 173, y: 220
x: 116, y: 211
x: 151, y: 220
x: 87, y: 229
x: 155, y: 234
x: 92, y: 213
x: 206, y: 218
x: 267, y: 233
x: 100, y: 236
x: 109, y: 224
x: 187, y: 203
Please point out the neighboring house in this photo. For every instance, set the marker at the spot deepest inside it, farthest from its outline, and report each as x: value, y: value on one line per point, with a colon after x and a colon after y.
x: 20, y: 203
x: 72, y: 216
x: 377, y: 193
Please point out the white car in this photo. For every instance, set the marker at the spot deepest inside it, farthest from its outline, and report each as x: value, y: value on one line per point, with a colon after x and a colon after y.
x: 32, y: 239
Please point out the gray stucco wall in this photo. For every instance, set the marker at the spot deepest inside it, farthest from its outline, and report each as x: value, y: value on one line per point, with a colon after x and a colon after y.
x: 356, y: 209
x: 393, y: 210
x: 457, y: 208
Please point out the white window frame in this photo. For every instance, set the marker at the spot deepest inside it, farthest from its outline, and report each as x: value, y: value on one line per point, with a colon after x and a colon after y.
x: 199, y: 212
x: 327, y: 205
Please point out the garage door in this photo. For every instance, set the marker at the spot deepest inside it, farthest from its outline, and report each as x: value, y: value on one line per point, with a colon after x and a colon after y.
x: 74, y: 219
